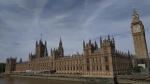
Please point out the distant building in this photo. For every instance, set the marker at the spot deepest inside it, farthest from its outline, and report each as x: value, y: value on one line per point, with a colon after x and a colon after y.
x: 103, y: 61
x: 75, y: 54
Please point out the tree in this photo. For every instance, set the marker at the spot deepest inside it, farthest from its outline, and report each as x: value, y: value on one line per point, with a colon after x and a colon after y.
x: 2, y: 67
x: 136, y: 69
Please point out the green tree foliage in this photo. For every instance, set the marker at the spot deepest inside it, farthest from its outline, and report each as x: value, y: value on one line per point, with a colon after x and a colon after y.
x: 136, y: 69
x: 2, y: 67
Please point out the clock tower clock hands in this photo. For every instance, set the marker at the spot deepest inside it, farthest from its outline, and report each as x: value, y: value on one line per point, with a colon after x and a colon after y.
x: 136, y: 29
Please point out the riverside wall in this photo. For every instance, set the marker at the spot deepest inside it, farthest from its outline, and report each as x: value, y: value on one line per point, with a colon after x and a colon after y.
x: 133, y: 79
x: 67, y: 77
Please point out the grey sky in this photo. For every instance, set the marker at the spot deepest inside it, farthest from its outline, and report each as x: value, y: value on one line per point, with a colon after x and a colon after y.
x: 23, y: 21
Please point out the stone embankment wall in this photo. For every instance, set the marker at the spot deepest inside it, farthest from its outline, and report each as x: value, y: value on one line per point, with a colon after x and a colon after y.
x: 133, y: 79
x: 67, y: 77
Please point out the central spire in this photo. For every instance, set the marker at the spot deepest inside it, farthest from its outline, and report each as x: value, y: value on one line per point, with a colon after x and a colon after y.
x: 135, y: 15
x: 60, y: 43
x: 134, y: 12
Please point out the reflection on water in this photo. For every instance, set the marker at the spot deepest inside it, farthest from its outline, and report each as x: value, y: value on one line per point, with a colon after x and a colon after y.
x: 17, y: 80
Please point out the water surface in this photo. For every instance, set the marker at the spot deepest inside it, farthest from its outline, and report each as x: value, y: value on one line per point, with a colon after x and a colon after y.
x: 17, y: 80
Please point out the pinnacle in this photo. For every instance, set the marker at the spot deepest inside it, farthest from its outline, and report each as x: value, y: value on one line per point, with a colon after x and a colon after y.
x: 134, y: 11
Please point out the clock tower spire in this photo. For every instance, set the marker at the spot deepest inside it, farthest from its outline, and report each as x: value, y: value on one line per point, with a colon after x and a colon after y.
x: 138, y: 34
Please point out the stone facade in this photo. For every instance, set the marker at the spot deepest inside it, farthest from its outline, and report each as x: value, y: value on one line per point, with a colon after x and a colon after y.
x: 10, y: 65
x: 105, y: 61
x: 139, y: 39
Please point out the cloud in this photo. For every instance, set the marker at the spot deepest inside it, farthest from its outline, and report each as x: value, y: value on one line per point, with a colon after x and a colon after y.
x: 22, y: 22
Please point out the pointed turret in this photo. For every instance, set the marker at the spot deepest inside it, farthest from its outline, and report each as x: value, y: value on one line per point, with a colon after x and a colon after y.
x: 129, y: 54
x: 101, y: 40
x: 60, y: 43
x: 54, y: 49
x: 20, y: 60
x: 51, y: 51
x: 113, y: 41
x: 45, y: 43
x: 105, y: 41
x: 36, y: 42
x: 90, y: 41
x: 134, y: 12
x: 108, y: 37
x: 60, y: 49
x: 135, y: 16
x: 96, y: 46
x: 83, y: 44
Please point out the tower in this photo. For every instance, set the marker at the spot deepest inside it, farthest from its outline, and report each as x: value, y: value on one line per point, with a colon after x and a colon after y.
x: 107, y: 45
x: 10, y: 65
x: 89, y: 48
x: 60, y: 49
x: 41, y: 49
x: 138, y: 34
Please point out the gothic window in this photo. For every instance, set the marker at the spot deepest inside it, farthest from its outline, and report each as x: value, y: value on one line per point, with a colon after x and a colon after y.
x: 107, y: 67
x: 106, y: 59
x: 96, y: 60
x: 88, y: 68
x: 100, y: 67
x: 87, y: 60
x: 80, y: 67
x: 96, y: 67
x: 100, y: 59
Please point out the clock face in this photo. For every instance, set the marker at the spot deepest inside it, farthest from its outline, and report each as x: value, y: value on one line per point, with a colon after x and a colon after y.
x: 136, y: 29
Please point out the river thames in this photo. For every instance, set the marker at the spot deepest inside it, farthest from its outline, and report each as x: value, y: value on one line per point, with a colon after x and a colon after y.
x: 17, y: 80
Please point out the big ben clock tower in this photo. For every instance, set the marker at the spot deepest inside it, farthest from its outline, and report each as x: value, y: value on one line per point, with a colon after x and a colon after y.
x: 138, y: 34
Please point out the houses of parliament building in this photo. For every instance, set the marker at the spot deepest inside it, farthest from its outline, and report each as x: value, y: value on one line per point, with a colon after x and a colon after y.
x: 103, y: 61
